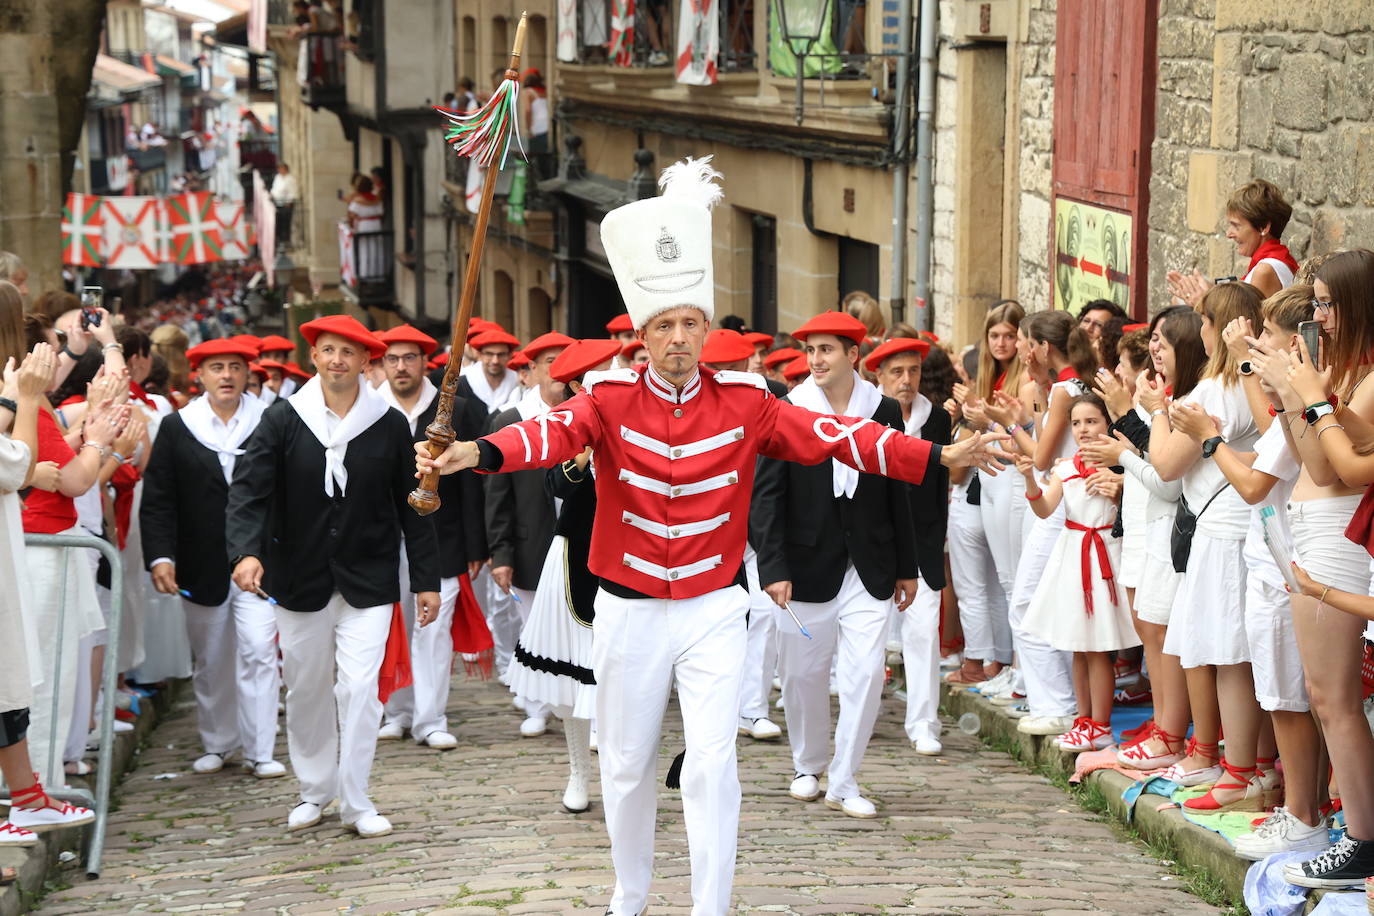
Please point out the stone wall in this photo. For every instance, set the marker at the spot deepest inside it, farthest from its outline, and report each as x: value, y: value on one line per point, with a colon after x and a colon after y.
x: 1036, y: 105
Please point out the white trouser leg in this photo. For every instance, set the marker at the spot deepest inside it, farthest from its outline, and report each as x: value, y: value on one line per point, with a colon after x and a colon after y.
x: 921, y: 659
x: 522, y: 614
x: 213, y: 650
x: 359, y: 644
x: 805, y: 666
x: 312, y: 722
x: 975, y: 580
x: 1002, y: 506
x: 1048, y: 672
x: 259, y: 682
x: 862, y: 633
x: 761, y: 651
x: 502, y: 619
x: 81, y: 711
x: 431, y: 657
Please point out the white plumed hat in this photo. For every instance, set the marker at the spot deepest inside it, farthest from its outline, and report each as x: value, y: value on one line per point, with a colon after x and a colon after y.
x: 660, y: 247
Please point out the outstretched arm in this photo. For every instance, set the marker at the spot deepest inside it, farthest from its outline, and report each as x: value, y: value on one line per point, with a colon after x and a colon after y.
x: 541, y: 442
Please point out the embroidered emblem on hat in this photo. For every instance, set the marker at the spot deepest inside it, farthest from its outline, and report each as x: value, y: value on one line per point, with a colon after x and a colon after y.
x: 667, y: 246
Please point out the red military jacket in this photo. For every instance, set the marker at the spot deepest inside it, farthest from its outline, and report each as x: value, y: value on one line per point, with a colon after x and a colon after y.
x: 675, y: 469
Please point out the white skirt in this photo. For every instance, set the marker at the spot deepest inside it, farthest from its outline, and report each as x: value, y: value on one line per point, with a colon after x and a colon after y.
x: 1207, y: 626
x: 1154, y: 597
x: 553, y: 659
x: 1058, y: 612
x: 1135, y: 501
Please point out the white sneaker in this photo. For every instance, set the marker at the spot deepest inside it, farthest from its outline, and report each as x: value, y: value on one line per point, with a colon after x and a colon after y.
x: 12, y: 837
x: 855, y: 806
x: 391, y: 731
x: 928, y: 746
x: 778, y: 703
x: 952, y: 662
x: 805, y: 788
x: 306, y: 814
x: 266, y: 769
x: 370, y: 825
x: 995, y: 683
x: 761, y: 729
x: 1282, y: 832
x: 210, y: 763
x: 777, y: 683
x: 591, y: 742
x: 1044, y: 725
x: 122, y: 728
x: 1019, y: 711
x: 39, y: 820
x: 440, y: 741
x: 534, y: 726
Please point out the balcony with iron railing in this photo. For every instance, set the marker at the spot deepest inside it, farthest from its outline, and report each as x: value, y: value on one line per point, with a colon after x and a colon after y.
x: 367, y: 265
x: 322, y: 70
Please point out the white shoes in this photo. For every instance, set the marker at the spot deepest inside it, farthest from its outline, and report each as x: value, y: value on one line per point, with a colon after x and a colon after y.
x: 855, y: 806
x: 12, y: 837
x: 805, y: 788
x: 440, y: 741
x: 761, y: 729
x: 265, y: 769
x: 927, y: 745
x: 1044, y: 725
x: 1189, y: 778
x: 306, y: 814
x: 1282, y: 832
x: 391, y: 731
x: 370, y: 825
x: 209, y: 763
x: 39, y: 820
x: 534, y: 726
x: 996, y: 683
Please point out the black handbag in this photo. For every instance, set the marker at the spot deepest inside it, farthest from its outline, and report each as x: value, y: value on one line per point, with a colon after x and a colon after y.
x: 1185, y: 525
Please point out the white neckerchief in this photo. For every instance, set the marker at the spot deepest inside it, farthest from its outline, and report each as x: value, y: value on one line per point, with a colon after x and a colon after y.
x: 266, y: 395
x: 920, y: 413
x: 427, y: 394
x: 288, y: 388
x: 224, y: 439
x: 309, y: 406
x: 532, y: 404
x: 862, y: 402
x: 492, y: 397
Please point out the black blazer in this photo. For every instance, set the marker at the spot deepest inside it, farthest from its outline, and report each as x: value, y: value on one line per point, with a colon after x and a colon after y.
x: 804, y: 534
x: 577, y: 489
x: 930, y: 504
x: 312, y: 545
x: 520, y: 517
x: 460, y: 521
x: 181, y: 516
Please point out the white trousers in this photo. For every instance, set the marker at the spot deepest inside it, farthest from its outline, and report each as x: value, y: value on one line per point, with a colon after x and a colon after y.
x: 921, y: 659
x: 852, y: 628
x: 422, y: 707
x: 982, y: 600
x: 234, y: 673
x: 761, y: 655
x: 1002, y: 503
x: 641, y: 646
x: 502, y: 618
x: 522, y: 614
x: 1048, y: 672
x: 331, y: 659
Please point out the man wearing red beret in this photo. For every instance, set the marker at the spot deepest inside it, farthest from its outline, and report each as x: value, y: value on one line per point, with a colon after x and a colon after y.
x: 315, y: 517
x: 489, y: 380
x: 233, y: 633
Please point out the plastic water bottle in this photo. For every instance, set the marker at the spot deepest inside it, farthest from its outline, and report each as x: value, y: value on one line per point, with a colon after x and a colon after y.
x: 970, y: 724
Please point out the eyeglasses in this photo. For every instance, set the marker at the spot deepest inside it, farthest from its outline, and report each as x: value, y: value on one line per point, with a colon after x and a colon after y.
x: 1323, y: 305
x: 409, y: 359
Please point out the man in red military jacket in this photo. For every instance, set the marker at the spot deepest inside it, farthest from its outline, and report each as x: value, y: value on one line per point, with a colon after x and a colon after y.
x: 675, y: 448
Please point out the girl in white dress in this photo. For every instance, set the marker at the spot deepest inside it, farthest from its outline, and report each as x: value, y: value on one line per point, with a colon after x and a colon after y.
x: 1078, y: 606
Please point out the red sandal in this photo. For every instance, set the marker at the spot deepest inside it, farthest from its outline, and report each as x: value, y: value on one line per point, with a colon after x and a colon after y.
x: 1136, y: 755
x: 1235, y: 778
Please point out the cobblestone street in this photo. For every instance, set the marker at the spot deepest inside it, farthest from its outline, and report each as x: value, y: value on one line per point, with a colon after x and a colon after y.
x: 479, y: 831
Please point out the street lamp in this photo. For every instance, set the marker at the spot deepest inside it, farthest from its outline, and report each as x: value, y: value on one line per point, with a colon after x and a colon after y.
x: 800, y: 22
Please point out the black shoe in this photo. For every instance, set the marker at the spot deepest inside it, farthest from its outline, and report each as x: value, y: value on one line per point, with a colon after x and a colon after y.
x: 1346, y: 864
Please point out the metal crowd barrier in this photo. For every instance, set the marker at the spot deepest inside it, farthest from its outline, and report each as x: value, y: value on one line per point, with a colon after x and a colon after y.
x: 109, y: 678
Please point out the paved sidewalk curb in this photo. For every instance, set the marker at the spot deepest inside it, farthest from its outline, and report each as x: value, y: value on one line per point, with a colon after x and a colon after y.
x: 37, y: 862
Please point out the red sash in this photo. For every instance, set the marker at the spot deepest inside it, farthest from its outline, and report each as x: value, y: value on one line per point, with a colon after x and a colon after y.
x: 395, y: 672
x: 1092, y: 538
x: 138, y: 394
x: 471, y: 638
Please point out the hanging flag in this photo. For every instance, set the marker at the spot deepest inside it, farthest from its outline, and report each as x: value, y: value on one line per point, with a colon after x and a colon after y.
x: 348, y: 266
x: 83, y: 240
x: 698, y: 42
x: 265, y: 221
x: 566, y: 48
x: 132, y: 226
x: 233, y: 230
x: 621, y: 47
x: 195, y: 228
x: 515, y: 200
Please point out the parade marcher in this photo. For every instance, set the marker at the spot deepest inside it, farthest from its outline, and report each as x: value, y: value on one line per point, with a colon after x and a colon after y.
x: 835, y: 544
x: 776, y: 361
x: 621, y: 329
x: 489, y: 379
x: 675, y: 448
x: 459, y: 525
x: 520, y: 517
x: 233, y: 633
x: 315, y: 518
x: 275, y: 347
x: 897, y: 364
x: 553, y: 659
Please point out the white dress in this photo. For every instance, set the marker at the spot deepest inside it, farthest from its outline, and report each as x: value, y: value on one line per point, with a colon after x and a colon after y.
x: 16, y: 683
x: 1059, y: 611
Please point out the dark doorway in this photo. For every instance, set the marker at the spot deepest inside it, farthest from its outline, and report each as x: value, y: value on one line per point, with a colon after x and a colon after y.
x: 858, y: 269
x: 764, y: 306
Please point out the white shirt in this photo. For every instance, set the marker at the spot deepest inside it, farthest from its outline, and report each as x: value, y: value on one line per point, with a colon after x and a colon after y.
x: 1228, y: 517
x: 285, y: 190
x: 1275, y: 459
x: 494, y: 398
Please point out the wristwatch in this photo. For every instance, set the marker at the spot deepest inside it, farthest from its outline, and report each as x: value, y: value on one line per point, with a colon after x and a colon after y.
x: 1315, y: 412
x: 9, y: 405
x: 1247, y: 367
x: 1209, y: 447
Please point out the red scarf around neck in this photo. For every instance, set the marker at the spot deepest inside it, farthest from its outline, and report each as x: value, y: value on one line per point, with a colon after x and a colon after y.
x: 1272, y: 248
x: 138, y: 394
x: 1067, y: 374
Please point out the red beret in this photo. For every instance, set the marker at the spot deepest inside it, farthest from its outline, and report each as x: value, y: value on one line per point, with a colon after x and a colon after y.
x: 478, y: 325
x: 345, y: 326
x: 404, y: 333
x: 725, y: 346
x: 272, y: 364
x: 251, y: 339
x: 841, y: 324
x: 929, y: 335
x: 518, y: 360
x: 619, y: 324
x: 781, y: 355
x: 582, y: 356
x: 759, y: 339
x: 1139, y: 326
x: 274, y: 342
x: 493, y: 337
x: 232, y: 346
x: 893, y: 347
x: 259, y: 371
x: 293, y: 369
x: 629, y: 349
x: 547, y: 341
x: 797, y: 368
x: 440, y: 359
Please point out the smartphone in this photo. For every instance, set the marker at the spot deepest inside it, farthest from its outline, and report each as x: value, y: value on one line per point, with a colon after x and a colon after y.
x: 1311, y: 332
x: 1220, y: 280
x: 91, y: 297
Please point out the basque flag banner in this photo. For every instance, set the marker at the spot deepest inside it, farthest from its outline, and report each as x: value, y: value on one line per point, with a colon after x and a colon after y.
x: 83, y: 239
x: 233, y: 230
x: 195, y: 228
x: 132, y: 226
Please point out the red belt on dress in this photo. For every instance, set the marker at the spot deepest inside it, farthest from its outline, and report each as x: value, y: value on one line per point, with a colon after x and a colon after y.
x: 1092, y: 538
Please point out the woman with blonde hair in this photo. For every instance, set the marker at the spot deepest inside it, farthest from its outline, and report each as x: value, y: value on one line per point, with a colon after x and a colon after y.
x: 865, y: 308
x: 170, y: 342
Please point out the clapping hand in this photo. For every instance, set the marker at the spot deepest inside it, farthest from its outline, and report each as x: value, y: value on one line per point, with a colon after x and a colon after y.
x: 1117, y: 398
x: 1151, y: 394
x: 1004, y: 410
x: 1194, y: 422
x: 1190, y: 288
x: 1107, y: 450
x: 1237, y: 335
x: 1271, y: 365
x: 1105, y: 483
